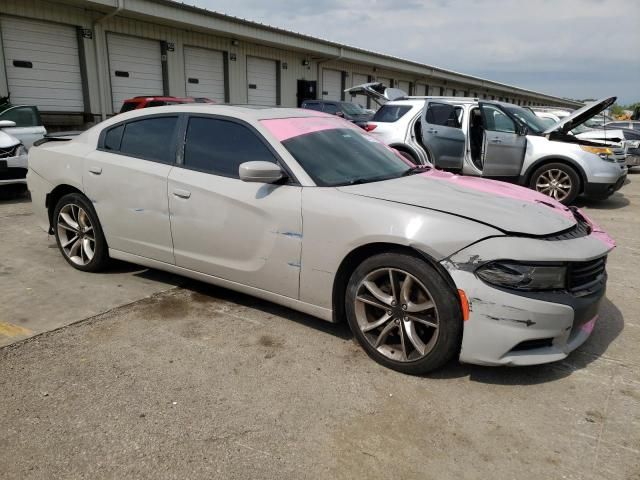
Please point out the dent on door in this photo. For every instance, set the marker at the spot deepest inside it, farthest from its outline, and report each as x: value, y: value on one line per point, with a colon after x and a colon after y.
x: 250, y: 233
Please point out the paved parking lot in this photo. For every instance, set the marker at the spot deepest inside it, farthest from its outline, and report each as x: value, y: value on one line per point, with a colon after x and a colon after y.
x: 166, y: 378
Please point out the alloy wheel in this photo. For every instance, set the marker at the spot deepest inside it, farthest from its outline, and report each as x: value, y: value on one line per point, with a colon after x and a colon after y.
x: 554, y: 183
x: 396, y: 314
x: 76, y: 234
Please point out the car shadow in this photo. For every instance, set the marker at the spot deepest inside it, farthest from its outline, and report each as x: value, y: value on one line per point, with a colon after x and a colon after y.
x: 614, y: 202
x: 10, y: 194
x: 608, y: 327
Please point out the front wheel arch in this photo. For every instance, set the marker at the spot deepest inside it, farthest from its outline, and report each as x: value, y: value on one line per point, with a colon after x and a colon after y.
x: 354, y: 258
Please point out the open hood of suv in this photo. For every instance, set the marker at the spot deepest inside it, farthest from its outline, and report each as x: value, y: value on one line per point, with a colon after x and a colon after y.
x: 377, y: 91
x: 590, y: 110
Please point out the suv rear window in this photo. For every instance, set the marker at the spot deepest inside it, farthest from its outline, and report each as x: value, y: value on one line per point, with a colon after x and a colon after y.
x: 390, y: 113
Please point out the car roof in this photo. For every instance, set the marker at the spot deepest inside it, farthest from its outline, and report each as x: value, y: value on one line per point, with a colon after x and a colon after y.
x: 244, y: 112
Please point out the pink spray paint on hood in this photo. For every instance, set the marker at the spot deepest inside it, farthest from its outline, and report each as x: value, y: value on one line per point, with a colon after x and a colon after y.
x: 520, y: 193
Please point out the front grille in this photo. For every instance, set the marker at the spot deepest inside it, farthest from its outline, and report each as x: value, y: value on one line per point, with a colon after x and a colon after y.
x: 9, y: 151
x: 533, y: 344
x: 586, y: 275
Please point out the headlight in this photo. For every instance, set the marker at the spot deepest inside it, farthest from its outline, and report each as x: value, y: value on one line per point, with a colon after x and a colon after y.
x: 604, y: 153
x: 524, y: 277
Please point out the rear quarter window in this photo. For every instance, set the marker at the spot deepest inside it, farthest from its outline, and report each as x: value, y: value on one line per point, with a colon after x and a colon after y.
x: 390, y: 113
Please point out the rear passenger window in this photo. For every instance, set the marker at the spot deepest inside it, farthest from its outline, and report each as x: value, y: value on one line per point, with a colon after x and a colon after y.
x: 151, y: 139
x: 220, y: 146
x: 444, y: 114
x: 113, y: 138
x: 390, y: 113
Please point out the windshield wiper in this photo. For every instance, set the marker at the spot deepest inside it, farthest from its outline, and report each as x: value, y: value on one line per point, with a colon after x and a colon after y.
x: 415, y: 169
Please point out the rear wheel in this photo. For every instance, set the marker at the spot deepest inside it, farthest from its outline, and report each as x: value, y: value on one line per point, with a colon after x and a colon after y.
x: 558, y: 181
x: 79, y: 234
x: 409, y: 156
x: 403, y: 313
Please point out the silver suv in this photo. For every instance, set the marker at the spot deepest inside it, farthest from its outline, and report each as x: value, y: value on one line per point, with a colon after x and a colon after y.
x: 497, y: 140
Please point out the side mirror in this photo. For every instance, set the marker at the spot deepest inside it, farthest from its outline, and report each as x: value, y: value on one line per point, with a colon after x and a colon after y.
x: 7, y: 124
x: 523, y: 130
x: 261, y: 172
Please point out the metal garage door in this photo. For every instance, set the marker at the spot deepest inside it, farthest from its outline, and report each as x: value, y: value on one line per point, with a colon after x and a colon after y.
x: 385, y: 81
x: 420, y: 90
x: 43, y: 65
x: 204, y: 72
x: 331, y: 84
x: 404, y: 86
x: 262, y: 81
x: 135, y: 67
x: 358, y: 79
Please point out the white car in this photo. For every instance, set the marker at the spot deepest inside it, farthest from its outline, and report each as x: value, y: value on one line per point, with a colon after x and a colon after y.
x: 309, y: 211
x: 28, y: 126
x: 497, y: 140
x: 13, y: 158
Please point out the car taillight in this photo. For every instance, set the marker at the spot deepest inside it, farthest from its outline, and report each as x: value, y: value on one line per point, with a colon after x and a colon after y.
x: 369, y: 127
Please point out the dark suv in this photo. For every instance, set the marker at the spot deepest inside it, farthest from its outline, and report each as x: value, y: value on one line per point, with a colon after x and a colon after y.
x: 347, y: 110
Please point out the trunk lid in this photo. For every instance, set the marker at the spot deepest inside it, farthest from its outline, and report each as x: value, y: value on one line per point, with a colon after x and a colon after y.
x: 377, y: 91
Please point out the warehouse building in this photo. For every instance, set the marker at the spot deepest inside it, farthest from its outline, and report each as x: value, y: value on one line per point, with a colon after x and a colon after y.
x: 77, y: 60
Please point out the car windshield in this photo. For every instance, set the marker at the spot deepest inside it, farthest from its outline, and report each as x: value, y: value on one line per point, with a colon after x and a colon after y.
x: 344, y: 156
x: 546, y: 121
x: 526, y: 117
x: 353, y: 109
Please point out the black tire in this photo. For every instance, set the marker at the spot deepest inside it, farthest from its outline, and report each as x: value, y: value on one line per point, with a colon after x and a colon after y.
x: 570, y: 172
x: 100, y: 257
x: 448, y: 339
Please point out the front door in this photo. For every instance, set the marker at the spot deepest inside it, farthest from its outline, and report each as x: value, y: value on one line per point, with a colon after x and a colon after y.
x: 442, y: 134
x: 250, y: 233
x: 126, y: 180
x: 504, y: 148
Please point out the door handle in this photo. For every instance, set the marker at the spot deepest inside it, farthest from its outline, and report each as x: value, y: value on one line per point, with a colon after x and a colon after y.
x: 496, y: 140
x: 178, y: 192
x: 95, y: 170
x: 431, y: 130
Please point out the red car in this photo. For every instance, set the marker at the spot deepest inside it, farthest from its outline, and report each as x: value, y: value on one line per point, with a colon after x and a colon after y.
x: 144, y: 102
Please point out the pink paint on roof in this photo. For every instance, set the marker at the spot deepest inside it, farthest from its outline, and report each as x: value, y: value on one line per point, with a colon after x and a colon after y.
x: 501, y: 189
x: 285, y: 128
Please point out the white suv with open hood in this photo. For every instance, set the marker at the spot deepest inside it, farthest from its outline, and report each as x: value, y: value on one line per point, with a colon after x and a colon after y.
x: 496, y: 140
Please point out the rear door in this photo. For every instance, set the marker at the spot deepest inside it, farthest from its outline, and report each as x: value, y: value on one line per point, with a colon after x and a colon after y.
x: 504, y: 148
x: 442, y: 134
x: 126, y: 180
x: 245, y: 232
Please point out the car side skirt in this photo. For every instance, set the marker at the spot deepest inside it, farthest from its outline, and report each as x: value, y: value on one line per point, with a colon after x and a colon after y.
x: 314, y: 310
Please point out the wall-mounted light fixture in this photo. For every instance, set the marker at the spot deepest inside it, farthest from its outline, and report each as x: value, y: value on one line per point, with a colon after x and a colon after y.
x: 235, y: 42
x: 305, y: 62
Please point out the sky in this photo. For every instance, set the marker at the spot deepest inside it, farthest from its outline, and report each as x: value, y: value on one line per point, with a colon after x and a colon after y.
x: 568, y: 48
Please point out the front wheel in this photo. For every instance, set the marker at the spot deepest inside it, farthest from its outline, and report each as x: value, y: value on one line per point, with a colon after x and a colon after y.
x: 79, y: 234
x: 558, y: 181
x: 403, y: 313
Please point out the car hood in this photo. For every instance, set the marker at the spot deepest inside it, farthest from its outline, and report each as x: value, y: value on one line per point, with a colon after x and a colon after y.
x: 7, y: 140
x: 377, y: 91
x: 590, y: 110
x: 509, y: 208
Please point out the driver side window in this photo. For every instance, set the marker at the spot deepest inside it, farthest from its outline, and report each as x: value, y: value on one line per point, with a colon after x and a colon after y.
x: 497, y: 121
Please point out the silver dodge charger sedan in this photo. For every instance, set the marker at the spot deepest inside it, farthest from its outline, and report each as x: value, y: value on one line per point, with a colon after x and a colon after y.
x: 311, y: 212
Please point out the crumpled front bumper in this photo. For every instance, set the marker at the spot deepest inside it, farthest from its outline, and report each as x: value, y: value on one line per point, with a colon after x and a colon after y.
x: 15, y: 170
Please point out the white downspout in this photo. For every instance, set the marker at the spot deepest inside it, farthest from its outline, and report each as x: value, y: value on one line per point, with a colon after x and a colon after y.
x: 99, y: 64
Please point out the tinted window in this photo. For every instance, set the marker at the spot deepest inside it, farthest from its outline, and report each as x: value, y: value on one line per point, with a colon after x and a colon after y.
x: 391, y: 113
x: 344, y: 156
x: 330, y: 108
x: 496, y: 120
x: 127, y: 106
x: 151, y: 138
x: 113, y: 138
x: 313, y: 106
x: 23, y: 116
x: 219, y: 146
x: 444, y: 114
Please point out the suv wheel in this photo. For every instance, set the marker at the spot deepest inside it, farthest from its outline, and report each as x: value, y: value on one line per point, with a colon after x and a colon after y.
x: 558, y: 181
x: 403, y: 313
